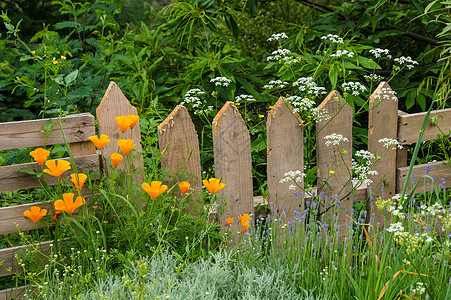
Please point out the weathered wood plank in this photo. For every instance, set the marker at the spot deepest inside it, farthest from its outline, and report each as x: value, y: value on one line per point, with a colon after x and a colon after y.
x: 22, y: 134
x: 7, y: 256
x: 232, y: 155
x: 115, y: 104
x: 285, y: 152
x: 438, y: 170
x: 15, y: 293
x: 11, y: 179
x: 410, y: 124
x: 178, y: 139
x: 382, y: 123
x: 14, y: 214
x: 336, y: 158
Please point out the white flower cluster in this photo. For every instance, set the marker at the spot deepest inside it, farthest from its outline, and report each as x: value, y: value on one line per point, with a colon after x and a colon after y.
x: 431, y: 210
x: 341, y: 53
x: 410, y: 242
x: 194, y: 92
x: 284, y: 56
x: 378, y: 52
x: 299, y: 103
x: 362, y: 171
x: 206, y: 111
x: 192, y: 99
x: 221, y: 81
x: 390, y: 143
x: 355, y: 87
x: 278, y: 84
x: 385, y: 94
x: 244, y: 98
x: 306, y: 84
x: 295, y: 176
x: 319, y: 115
x: 335, y: 139
x: 373, y: 78
x: 409, y: 62
x: 333, y: 38
x: 419, y: 289
x: 277, y: 36
x: 365, y: 154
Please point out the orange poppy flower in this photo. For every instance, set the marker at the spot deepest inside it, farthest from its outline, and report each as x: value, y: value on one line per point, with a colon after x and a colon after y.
x: 213, y: 185
x: 126, y: 146
x: 124, y: 122
x: 229, y: 221
x: 244, y: 219
x: 40, y: 155
x: 134, y: 119
x: 116, y: 159
x: 245, y: 227
x: 99, y: 142
x: 35, y: 213
x: 184, y: 187
x: 68, y: 205
x: 56, y: 168
x: 154, y: 189
x: 78, y: 180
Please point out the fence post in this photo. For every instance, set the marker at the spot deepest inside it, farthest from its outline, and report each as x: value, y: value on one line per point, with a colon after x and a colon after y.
x: 232, y: 156
x: 382, y: 123
x: 178, y: 140
x: 334, y: 162
x: 285, y: 152
x: 115, y: 104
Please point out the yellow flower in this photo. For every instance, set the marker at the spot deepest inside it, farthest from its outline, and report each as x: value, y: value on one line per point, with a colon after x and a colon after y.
x: 40, y: 155
x: 133, y: 119
x: 213, y: 185
x: 237, y: 104
x: 229, y: 221
x: 126, y: 146
x: 78, y: 180
x: 63, y: 57
x: 155, y: 188
x: 270, y: 107
x: 33, y: 52
x: 116, y: 159
x: 124, y: 122
x: 184, y: 187
x: 57, y: 168
x: 35, y: 213
x: 55, y: 62
x: 332, y: 172
x: 261, y: 116
x: 68, y: 205
x: 99, y: 142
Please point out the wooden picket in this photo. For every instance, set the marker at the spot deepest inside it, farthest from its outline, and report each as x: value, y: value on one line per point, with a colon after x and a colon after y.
x: 285, y: 152
x: 382, y: 123
x: 232, y: 149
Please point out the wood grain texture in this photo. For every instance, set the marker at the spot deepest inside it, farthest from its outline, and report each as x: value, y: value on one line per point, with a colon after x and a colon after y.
x: 7, y: 256
x: 178, y: 139
x: 232, y: 156
x: 285, y: 152
x: 410, y: 125
x: 15, y: 293
x: 331, y: 158
x: 382, y: 123
x: 438, y: 170
x: 11, y: 179
x: 115, y: 104
x: 22, y: 134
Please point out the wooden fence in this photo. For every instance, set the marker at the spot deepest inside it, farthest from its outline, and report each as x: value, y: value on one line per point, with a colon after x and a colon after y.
x: 77, y: 129
x: 232, y: 153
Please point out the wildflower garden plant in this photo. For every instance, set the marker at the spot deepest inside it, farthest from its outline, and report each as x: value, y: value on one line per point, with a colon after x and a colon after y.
x: 114, y: 237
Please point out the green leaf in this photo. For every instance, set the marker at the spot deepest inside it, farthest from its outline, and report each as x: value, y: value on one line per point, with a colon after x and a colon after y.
x: 71, y: 77
x: 368, y: 63
x: 28, y: 171
x: 410, y: 99
x: 421, y: 100
x: 48, y: 125
x: 333, y: 76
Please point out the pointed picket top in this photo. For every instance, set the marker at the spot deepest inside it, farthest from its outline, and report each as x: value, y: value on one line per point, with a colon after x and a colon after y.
x: 382, y: 123
x: 285, y: 152
x: 333, y: 164
x: 232, y: 153
x: 180, y: 147
x: 115, y: 104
